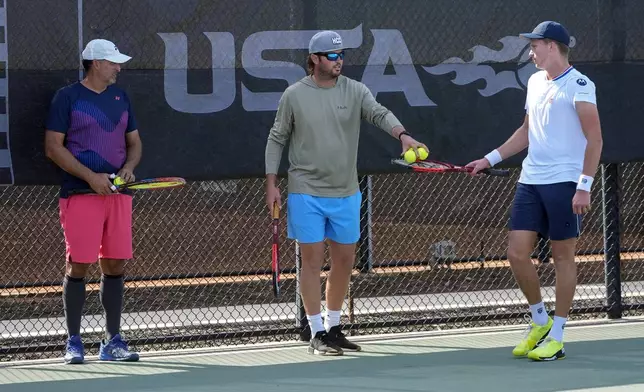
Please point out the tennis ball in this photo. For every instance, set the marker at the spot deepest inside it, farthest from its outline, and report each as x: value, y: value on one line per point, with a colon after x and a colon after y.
x: 118, y: 181
x: 422, y: 153
x: 410, y: 156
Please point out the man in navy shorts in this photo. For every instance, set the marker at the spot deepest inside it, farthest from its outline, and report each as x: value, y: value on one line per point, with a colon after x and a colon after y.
x: 562, y: 132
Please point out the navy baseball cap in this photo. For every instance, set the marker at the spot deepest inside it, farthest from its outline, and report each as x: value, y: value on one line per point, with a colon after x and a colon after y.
x: 551, y: 30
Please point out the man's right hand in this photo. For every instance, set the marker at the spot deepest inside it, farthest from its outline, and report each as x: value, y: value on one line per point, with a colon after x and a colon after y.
x: 478, y: 165
x: 100, y: 183
x: 272, y: 196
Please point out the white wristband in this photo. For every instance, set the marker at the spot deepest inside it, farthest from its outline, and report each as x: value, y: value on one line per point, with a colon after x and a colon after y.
x: 585, y: 183
x: 494, y: 157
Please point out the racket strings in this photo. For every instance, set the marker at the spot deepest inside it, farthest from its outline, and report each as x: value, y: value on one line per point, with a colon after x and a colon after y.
x: 157, y: 183
x: 431, y: 165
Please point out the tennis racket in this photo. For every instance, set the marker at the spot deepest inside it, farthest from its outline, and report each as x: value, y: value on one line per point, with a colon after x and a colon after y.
x: 146, y: 184
x: 275, y: 265
x: 430, y: 166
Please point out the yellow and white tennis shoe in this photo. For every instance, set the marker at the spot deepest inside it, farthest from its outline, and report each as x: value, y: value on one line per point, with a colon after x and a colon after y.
x: 532, y: 336
x: 548, y: 350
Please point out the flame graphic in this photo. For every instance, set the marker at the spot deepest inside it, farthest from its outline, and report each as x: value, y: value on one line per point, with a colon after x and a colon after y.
x: 471, y: 71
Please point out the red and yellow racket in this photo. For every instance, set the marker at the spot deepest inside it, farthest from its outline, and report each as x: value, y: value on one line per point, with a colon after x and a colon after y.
x: 146, y: 184
x: 430, y: 166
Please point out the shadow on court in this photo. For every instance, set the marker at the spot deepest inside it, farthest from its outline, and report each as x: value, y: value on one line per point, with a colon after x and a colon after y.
x: 590, y: 364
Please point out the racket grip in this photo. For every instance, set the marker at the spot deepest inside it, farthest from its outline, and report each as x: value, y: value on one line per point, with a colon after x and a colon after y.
x: 276, y: 210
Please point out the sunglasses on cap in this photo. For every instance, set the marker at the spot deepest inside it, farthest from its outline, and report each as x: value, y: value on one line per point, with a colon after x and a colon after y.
x: 332, y: 56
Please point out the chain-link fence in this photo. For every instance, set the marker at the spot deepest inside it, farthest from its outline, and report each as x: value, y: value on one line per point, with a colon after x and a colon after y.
x: 432, y: 253
x: 204, y: 82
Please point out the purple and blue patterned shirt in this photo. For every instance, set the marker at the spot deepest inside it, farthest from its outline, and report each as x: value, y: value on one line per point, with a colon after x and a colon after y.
x: 94, y: 126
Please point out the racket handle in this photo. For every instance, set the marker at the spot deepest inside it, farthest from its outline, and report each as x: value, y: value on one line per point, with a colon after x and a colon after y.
x: 496, y: 172
x: 276, y: 210
x: 80, y: 192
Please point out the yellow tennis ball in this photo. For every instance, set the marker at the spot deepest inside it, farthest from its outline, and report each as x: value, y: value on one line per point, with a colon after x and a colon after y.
x: 410, y: 156
x: 118, y: 181
x: 423, y: 153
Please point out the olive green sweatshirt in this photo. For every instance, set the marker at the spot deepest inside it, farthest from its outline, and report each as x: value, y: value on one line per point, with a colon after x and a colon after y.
x: 322, y: 127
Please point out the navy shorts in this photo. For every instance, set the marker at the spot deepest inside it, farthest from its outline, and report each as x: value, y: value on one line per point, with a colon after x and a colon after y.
x: 547, y: 210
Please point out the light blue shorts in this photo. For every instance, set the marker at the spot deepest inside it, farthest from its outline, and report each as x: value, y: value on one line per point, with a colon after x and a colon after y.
x: 311, y: 219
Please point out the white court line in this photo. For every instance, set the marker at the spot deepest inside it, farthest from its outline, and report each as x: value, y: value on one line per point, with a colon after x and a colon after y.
x: 412, y: 336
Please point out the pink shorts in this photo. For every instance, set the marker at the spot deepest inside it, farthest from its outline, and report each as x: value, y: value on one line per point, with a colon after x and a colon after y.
x: 96, y: 227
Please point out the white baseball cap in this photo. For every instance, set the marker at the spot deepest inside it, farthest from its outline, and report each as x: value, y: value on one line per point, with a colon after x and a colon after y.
x: 102, y: 49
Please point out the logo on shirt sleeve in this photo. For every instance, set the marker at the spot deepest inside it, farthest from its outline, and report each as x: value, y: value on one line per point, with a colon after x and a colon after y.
x: 582, y: 82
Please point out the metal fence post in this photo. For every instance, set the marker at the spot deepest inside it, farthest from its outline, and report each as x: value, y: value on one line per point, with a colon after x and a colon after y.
x: 544, y: 252
x: 365, y: 247
x: 610, y: 204
x: 301, y: 321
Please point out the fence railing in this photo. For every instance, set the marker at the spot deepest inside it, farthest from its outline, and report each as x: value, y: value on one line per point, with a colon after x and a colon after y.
x: 432, y: 253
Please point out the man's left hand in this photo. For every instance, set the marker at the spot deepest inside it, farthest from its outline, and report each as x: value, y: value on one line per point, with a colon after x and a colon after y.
x: 126, y: 174
x: 581, y: 202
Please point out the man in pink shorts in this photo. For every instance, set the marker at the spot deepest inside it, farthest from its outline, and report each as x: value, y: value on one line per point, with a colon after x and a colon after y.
x: 91, y: 133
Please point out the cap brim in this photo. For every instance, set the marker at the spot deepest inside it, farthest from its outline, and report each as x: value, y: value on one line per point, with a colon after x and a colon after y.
x: 119, y: 58
x: 328, y: 51
x: 531, y: 36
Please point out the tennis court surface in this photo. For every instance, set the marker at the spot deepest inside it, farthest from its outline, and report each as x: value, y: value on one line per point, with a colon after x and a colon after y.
x: 602, y: 356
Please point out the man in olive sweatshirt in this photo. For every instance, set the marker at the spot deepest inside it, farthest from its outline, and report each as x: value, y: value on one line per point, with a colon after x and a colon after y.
x: 320, y: 116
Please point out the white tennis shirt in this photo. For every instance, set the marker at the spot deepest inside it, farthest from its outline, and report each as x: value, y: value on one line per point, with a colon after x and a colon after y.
x: 557, y: 143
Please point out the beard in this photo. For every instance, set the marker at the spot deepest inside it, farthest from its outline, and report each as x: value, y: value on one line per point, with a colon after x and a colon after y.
x: 331, y: 73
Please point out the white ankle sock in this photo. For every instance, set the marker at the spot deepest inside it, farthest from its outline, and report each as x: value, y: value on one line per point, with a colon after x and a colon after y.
x: 557, y: 330
x: 315, y: 322
x: 332, y: 319
x: 539, y: 314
